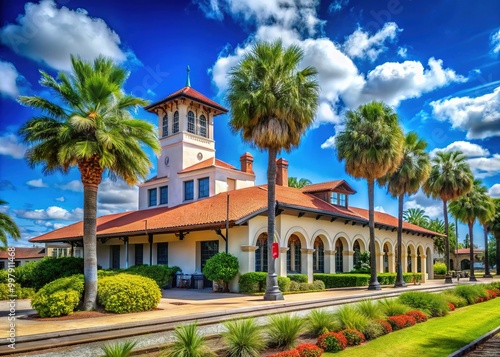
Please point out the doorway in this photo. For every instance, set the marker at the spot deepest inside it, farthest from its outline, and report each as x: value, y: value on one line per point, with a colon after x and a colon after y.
x: 208, y: 250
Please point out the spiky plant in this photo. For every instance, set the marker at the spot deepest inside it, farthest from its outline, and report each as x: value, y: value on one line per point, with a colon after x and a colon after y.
x: 188, y: 343
x: 370, y: 309
x: 243, y: 338
x: 349, y: 317
x: 284, y: 330
x: 393, y: 307
x: 320, y: 321
x: 119, y: 349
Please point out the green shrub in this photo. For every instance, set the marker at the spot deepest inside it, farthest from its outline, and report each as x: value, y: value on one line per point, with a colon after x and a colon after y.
x: 4, y: 276
x: 284, y: 283
x: 471, y: 293
x: 50, y: 269
x: 393, y: 307
x: 299, y: 278
x: 244, y: 338
x: 439, y: 268
x: 321, y: 321
x: 342, y: 280
x: 119, y: 349
x: 387, y: 278
x: 319, y: 285
x: 27, y: 293
x: 370, y: 309
x: 6, y: 294
x: 456, y: 300
x: 162, y: 274
x: 372, y: 330
x: 59, y: 297
x: 284, y: 330
x: 25, y: 274
x: 253, y: 282
x: 221, y: 268
x: 294, y: 286
x: 188, y: 343
x: 349, y: 317
x: 332, y: 342
x: 128, y: 293
x: 431, y: 304
x: 353, y: 337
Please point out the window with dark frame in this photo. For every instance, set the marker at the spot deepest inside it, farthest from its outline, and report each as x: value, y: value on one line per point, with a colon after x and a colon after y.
x: 139, y: 254
x: 175, y: 125
x: 203, y: 187
x: 162, y: 253
x: 164, y: 131
x: 164, y: 195
x: 203, y: 126
x: 152, y: 200
x: 188, y: 190
x: 191, y: 122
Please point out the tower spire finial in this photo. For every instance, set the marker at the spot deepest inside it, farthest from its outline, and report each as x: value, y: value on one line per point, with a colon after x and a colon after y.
x: 188, y: 81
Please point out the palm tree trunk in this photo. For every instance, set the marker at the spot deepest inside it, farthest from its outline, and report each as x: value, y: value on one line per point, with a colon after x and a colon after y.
x: 471, y: 254
x: 487, y: 273
x: 497, y: 238
x: 90, y: 246
x: 272, y: 289
x: 447, y: 278
x: 374, y: 284
x: 400, y: 282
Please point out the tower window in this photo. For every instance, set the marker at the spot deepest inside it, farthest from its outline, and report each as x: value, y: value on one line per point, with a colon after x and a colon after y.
x: 203, y: 126
x: 164, y: 131
x: 163, y: 195
x: 152, y: 197
x: 175, y: 126
x: 203, y: 187
x: 191, y: 122
x: 188, y: 190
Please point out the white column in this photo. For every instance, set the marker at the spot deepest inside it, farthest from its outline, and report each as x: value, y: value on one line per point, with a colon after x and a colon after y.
x: 281, y: 268
x: 307, y: 263
x: 247, y: 262
x: 329, y: 261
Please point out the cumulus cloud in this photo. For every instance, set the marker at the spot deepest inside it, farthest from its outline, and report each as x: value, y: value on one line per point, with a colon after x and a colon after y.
x: 75, y: 185
x: 116, y: 197
x: 361, y: 45
x: 10, y: 77
x: 51, y: 213
x: 432, y: 208
x: 36, y: 183
x: 10, y: 146
x: 329, y: 143
x: 479, y: 117
x: 467, y: 148
x: 337, y: 5
x: 402, y: 52
x: 485, y: 166
x: 50, y: 34
x: 494, y: 191
x: 495, y: 42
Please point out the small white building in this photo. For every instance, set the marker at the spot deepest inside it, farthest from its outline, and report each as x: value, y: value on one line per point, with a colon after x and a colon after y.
x: 199, y: 205
x: 20, y: 256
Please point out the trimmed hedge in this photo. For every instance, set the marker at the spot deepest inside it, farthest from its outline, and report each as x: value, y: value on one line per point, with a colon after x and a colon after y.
x: 59, y: 297
x: 299, y: 278
x: 342, y: 280
x: 161, y: 274
x: 18, y: 293
x: 49, y: 269
x: 253, y: 282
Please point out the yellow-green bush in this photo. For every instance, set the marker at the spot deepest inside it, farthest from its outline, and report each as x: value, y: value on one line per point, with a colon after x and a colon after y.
x: 59, y: 297
x: 128, y: 293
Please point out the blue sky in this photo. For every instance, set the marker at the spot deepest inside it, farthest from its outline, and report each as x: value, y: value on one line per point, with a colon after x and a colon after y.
x: 436, y: 63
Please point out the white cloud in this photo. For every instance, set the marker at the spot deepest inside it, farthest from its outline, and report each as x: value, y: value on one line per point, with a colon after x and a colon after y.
x: 37, y: 183
x: 467, y: 148
x: 329, y: 143
x: 402, y: 52
x: 494, y: 191
x: 361, y: 45
x: 379, y: 209
x: 75, y: 185
x: 485, y: 166
x: 432, y: 208
x: 479, y: 116
x: 116, y: 197
x: 10, y: 146
x: 10, y: 76
x: 337, y: 5
x: 51, y: 213
x: 49, y: 34
x: 495, y: 42
x: 60, y: 199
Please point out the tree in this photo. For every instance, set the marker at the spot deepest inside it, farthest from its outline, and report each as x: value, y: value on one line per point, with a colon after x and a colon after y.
x: 494, y: 227
x: 467, y: 241
x: 450, y: 178
x: 298, y: 183
x: 221, y: 268
x: 7, y: 228
x: 492, y: 251
x: 272, y: 104
x: 372, y: 146
x: 476, y: 203
x: 485, y: 218
x: 416, y: 216
x: 89, y: 125
x: 412, y: 171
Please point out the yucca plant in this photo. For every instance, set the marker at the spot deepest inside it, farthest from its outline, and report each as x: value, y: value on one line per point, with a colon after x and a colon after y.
x: 370, y: 309
x: 321, y: 321
x: 392, y: 307
x: 243, y: 338
x: 188, y: 343
x: 471, y: 293
x: 349, y: 317
x: 284, y: 330
x: 119, y: 349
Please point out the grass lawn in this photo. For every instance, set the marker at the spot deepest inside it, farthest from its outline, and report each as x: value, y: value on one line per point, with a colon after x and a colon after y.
x: 437, y: 337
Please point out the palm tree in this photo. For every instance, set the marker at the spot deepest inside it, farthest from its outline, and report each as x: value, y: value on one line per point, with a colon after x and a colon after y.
x: 295, y: 182
x: 413, y: 170
x: 7, y: 228
x: 416, y: 216
x: 90, y: 126
x: 485, y: 218
x: 272, y: 105
x: 372, y: 146
x: 494, y: 227
x: 476, y: 203
x: 450, y: 178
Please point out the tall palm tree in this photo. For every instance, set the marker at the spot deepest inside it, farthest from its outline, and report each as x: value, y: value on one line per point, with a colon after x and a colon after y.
x: 416, y: 216
x: 372, y: 146
x: 476, y: 203
x: 450, y: 178
x: 485, y: 218
x: 298, y: 183
x: 7, y: 228
x: 494, y: 227
x: 413, y: 170
x: 272, y: 104
x: 89, y: 125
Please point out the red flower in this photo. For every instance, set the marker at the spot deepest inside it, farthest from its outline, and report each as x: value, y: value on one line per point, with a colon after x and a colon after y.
x: 418, y: 315
x: 385, y: 326
x: 354, y: 337
x: 309, y: 350
x: 401, y: 321
x: 451, y: 306
x: 291, y: 353
x: 332, y: 342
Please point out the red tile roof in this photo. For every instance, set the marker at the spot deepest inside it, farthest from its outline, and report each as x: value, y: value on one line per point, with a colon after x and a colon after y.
x: 25, y: 253
x: 212, y: 162
x: 467, y: 251
x: 190, y: 93
x: 328, y: 186
x: 211, y: 212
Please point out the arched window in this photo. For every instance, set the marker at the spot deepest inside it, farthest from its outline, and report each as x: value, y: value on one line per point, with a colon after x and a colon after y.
x: 261, y: 253
x: 319, y: 256
x: 175, y: 125
x: 386, y: 258
x: 339, y: 257
x: 293, y: 261
x: 191, y: 122
x: 164, y: 131
x: 408, y: 259
x: 357, y: 251
x: 419, y: 262
x: 203, y: 126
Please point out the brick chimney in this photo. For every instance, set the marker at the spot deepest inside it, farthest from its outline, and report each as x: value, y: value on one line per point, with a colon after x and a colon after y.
x: 246, y: 161
x: 282, y: 172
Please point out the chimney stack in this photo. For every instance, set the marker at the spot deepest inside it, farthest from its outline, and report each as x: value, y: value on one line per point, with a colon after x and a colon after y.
x: 246, y: 161
x: 282, y: 172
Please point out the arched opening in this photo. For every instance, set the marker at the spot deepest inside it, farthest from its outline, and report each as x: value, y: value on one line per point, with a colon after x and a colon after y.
x: 465, y: 264
x: 339, y: 256
x: 261, y: 253
x: 203, y: 126
x: 386, y: 258
x: 191, y: 122
x: 408, y: 260
x: 175, y: 125
x: 319, y: 256
x: 164, y: 131
x: 293, y: 258
x: 357, y: 252
x: 419, y: 261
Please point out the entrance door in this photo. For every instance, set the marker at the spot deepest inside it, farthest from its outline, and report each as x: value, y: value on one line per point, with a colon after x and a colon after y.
x: 115, y: 257
x: 208, y: 250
